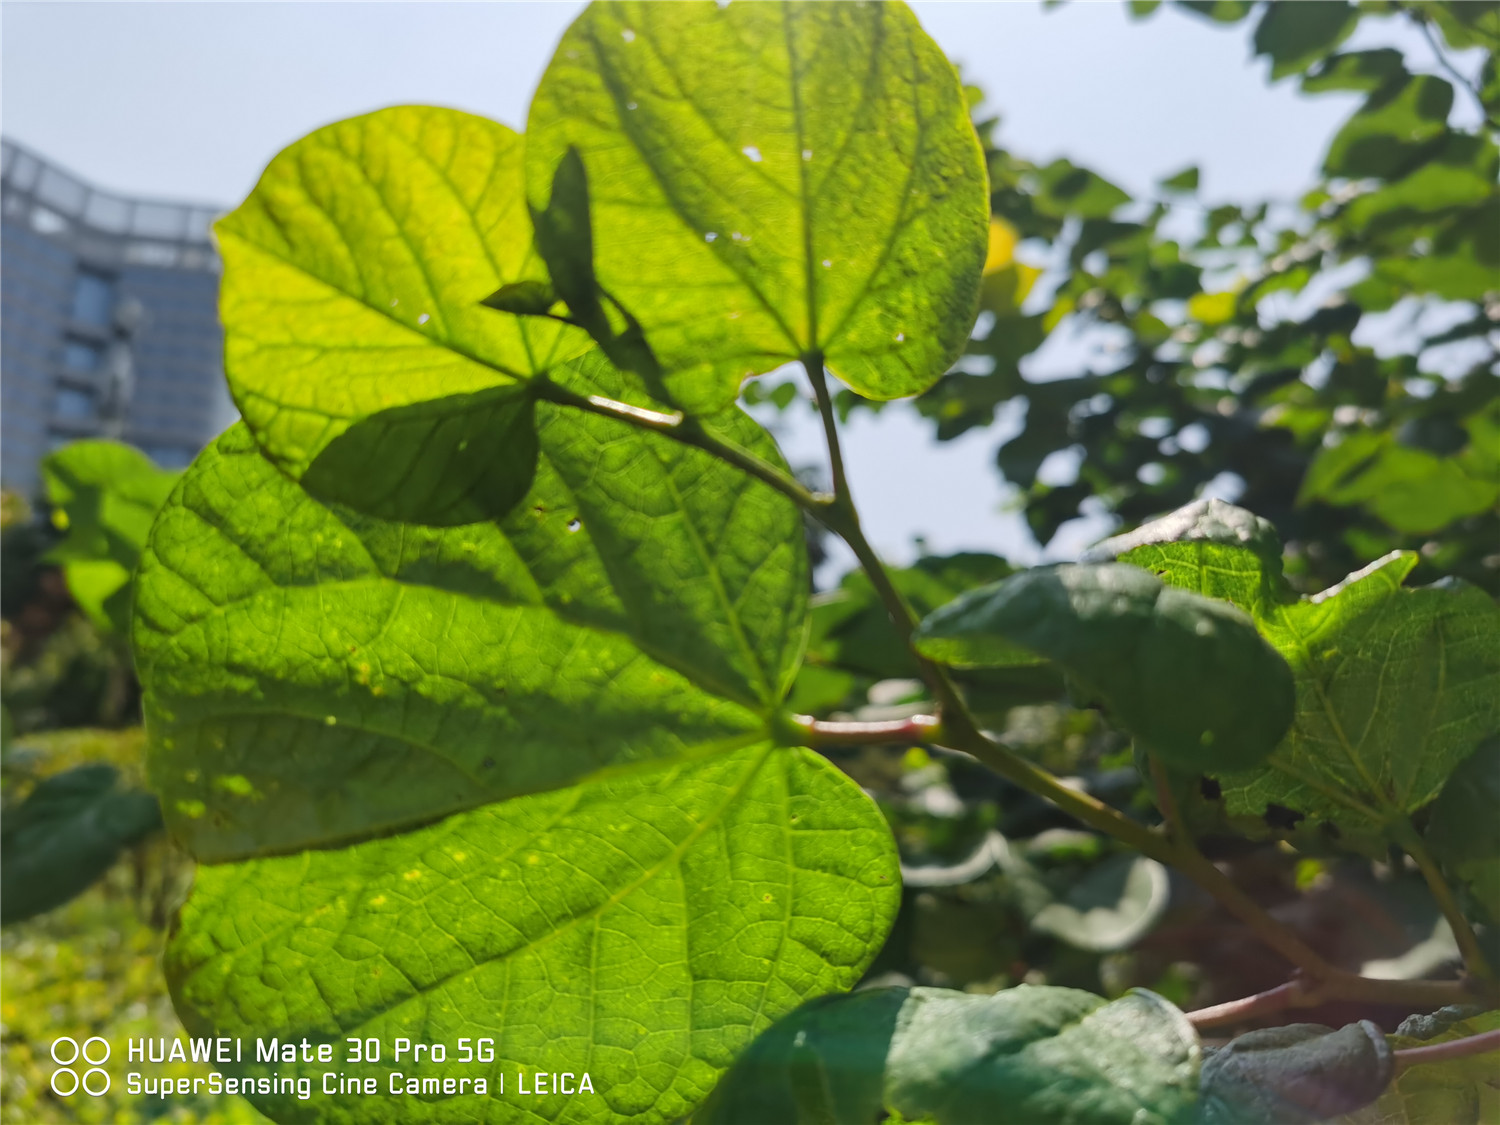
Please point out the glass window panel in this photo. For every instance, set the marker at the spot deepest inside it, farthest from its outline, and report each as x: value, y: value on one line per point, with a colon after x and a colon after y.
x: 80, y: 356
x: 75, y: 406
x: 93, y: 299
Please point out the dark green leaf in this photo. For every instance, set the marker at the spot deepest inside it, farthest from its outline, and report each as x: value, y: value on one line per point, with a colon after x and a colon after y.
x: 314, y: 675
x: 1394, y: 130
x: 1220, y: 11
x: 1356, y: 70
x: 524, y: 298
x: 1065, y: 189
x: 643, y: 930
x: 1186, y: 675
x: 1296, y: 35
x: 1045, y: 1056
x: 812, y: 166
x: 1300, y: 1074
x: 66, y: 834
x: 1395, y: 686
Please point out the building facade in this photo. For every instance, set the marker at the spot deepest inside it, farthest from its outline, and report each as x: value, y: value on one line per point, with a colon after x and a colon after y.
x: 108, y: 320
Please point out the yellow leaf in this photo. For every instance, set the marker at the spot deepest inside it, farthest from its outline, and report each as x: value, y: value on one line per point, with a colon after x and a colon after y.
x: 1002, y: 251
x: 1212, y: 308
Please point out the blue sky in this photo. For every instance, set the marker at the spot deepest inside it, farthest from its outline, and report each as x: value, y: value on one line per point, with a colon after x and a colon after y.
x: 190, y: 100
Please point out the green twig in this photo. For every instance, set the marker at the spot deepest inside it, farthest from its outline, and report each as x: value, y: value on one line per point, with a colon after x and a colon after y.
x: 689, y: 431
x: 1463, y: 934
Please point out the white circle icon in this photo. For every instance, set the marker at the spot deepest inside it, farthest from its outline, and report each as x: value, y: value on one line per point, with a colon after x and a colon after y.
x: 95, y: 1080
x: 71, y: 1042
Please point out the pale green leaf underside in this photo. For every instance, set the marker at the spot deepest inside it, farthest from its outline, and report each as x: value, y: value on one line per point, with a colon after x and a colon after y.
x: 1039, y: 1055
x: 770, y: 180
x: 108, y: 493
x: 314, y: 676
x: 353, y: 275
x: 642, y: 930
x: 1395, y: 686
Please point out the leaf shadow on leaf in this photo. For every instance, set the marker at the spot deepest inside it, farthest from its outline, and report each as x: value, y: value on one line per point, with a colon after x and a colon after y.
x: 440, y: 463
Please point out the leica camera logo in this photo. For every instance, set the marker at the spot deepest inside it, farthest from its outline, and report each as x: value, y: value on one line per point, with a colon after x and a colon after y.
x: 71, y: 1059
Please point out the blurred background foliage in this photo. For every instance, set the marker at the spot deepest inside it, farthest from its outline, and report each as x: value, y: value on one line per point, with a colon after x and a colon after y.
x: 1328, y: 362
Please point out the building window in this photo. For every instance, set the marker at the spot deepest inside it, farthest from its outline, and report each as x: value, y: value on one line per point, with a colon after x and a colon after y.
x: 78, y: 356
x: 73, y: 406
x: 93, y: 299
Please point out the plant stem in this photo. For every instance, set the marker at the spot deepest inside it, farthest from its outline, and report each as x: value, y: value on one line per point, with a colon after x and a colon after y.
x: 689, y: 431
x: 1168, y: 803
x: 1276, y: 999
x: 918, y: 728
x: 1474, y: 959
x: 1307, y: 992
x: 1452, y: 1049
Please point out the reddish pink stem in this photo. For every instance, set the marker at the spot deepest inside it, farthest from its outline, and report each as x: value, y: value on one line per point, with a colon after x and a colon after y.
x: 1453, y: 1049
x: 918, y: 728
x: 1293, y: 994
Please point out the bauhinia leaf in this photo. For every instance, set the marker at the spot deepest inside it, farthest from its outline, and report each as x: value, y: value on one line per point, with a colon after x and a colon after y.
x: 314, y: 675
x: 1039, y: 1055
x: 641, y: 930
x: 353, y: 276
x: 1395, y: 686
x: 1300, y: 1074
x: 769, y: 182
x: 104, y: 495
x: 66, y: 833
x: 1186, y: 675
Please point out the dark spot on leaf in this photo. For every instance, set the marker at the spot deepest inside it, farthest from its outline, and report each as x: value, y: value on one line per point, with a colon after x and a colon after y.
x: 1210, y: 788
x: 488, y: 763
x: 1330, y: 829
x: 1279, y: 816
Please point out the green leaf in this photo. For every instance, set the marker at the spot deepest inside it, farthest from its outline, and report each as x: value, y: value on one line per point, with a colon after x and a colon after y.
x: 104, y: 495
x: 1184, y: 181
x: 66, y: 834
x: 642, y: 930
x: 1355, y: 70
x: 1294, y: 36
x: 1409, y: 489
x: 811, y: 166
x: 353, y: 281
x: 1188, y: 676
x: 1036, y: 1054
x: 1220, y: 11
x: 313, y: 675
x: 1393, y: 131
x: 1462, y: 828
x: 1462, y: 1091
x: 1395, y: 686
x: 524, y: 298
x: 1064, y: 189
x: 1300, y: 1074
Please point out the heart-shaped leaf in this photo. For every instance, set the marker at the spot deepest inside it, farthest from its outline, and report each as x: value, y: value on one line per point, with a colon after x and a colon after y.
x: 314, y: 675
x: 355, y: 342
x: 769, y: 182
x: 641, y: 930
